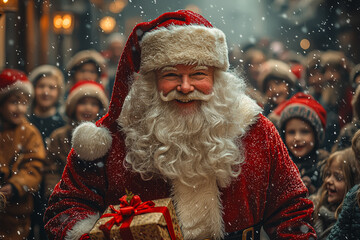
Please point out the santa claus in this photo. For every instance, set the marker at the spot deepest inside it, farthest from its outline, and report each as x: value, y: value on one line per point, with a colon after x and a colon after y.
x: 180, y: 125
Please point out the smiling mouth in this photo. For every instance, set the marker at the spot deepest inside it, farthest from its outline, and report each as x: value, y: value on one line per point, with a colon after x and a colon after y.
x: 87, y: 115
x: 184, y: 100
x: 331, y: 191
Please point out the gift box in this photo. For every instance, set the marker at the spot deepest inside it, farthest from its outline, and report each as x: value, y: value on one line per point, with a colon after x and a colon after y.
x: 155, y: 220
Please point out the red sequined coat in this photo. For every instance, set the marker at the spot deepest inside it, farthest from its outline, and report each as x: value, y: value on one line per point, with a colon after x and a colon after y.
x: 269, y: 188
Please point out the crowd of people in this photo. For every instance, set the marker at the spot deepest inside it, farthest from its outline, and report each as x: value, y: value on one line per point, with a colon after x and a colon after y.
x: 312, y: 100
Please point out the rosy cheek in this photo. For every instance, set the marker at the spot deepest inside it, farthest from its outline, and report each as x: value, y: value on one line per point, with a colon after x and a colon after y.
x: 205, y: 88
x: 166, y: 86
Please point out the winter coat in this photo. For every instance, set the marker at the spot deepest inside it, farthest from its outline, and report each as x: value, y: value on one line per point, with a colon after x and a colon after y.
x: 22, y: 154
x: 324, y: 223
x: 257, y: 195
x: 326, y: 217
x: 48, y: 124
x: 348, y: 224
x: 59, y: 146
x: 308, y: 167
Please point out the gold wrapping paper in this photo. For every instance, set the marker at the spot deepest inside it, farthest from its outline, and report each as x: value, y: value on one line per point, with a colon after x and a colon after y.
x: 148, y: 226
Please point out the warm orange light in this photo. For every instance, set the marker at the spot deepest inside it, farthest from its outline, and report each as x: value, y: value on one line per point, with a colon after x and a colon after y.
x: 58, y: 21
x: 63, y: 22
x: 66, y: 21
x: 107, y: 24
x: 304, y: 44
x: 8, y: 6
x: 117, y: 6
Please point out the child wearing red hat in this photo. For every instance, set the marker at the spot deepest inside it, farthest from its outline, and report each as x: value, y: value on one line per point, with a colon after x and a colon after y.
x: 302, y: 126
x: 22, y: 154
x: 87, y: 102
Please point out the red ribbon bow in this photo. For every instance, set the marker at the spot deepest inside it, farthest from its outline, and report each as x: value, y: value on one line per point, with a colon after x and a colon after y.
x: 126, y: 213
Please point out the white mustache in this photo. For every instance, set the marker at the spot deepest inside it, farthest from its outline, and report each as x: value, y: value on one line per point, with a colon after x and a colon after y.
x: 195, y: 95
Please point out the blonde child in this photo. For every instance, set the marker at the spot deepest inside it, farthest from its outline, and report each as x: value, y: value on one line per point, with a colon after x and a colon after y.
x: 22, y: 154
x: 87, y: 101
x: 302, y: 123
x: 48, y: 82
x: 348, y: 223
x: 340, y: 173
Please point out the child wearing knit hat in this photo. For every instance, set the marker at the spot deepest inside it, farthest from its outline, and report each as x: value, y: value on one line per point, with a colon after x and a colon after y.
x: 87, y: 101
x: 302, y: 124
x: 22, y: 154
x: 48, y: 82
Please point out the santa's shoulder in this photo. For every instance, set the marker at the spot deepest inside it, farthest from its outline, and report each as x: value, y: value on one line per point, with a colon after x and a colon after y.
x: 261, y: 129
x: 91, y: 141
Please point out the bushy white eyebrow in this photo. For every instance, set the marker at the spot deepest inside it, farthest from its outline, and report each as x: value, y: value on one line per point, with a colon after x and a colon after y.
x: 200, y: 68
x: 165, y: 69
x: 170, y: 68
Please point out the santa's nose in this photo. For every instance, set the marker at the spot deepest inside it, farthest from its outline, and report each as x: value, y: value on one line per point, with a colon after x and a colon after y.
x: 185, y: 85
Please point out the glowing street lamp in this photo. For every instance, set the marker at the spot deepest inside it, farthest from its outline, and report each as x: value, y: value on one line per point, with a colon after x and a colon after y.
x: 63, y: 22
x: 107, y: 24
x: 8, y: 5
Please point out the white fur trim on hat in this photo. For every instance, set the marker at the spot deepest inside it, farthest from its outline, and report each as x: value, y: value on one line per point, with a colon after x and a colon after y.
x: 82, y: 227
x: 52, y: 71
x: 24, y: 87
x: 277, y: 69
x: 85, y: 90
x: 91, y: 142
x: 188, y: 45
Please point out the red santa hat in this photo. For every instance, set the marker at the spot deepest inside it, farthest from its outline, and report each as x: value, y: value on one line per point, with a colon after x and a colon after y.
x: 181, y: 37
x: 14, y: 80
x: 305, y: 107
x: 85, y: 89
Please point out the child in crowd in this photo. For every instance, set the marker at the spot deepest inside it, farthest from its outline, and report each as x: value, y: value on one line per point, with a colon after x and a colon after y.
x: 253, y: 60
x: 302, y: 124
x: 277, y: 83
x: 340, y: 173
x: 48, y: 82
x: 88, y: 65
x: 22, y: 154
x: 336, y: 95
x: 313, y: 74
x: 347, y: 225
x: 87, y: 101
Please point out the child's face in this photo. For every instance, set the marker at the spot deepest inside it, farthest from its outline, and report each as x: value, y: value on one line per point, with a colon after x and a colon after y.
x: 14, y: 108
x: 277, y: 91
x: 335, y: 183
x: 87, y: 109
x: 86, y: 71
x: 46, y: 92
x: 299, y: 137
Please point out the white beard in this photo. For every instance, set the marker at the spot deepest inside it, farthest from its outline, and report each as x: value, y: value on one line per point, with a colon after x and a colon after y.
x: 198, y: 151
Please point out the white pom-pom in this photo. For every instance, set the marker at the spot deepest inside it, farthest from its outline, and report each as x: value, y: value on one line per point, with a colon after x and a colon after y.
x: 91, y: 142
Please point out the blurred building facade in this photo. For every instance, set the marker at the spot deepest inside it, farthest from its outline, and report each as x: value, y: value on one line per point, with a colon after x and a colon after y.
x: 38, y: 31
